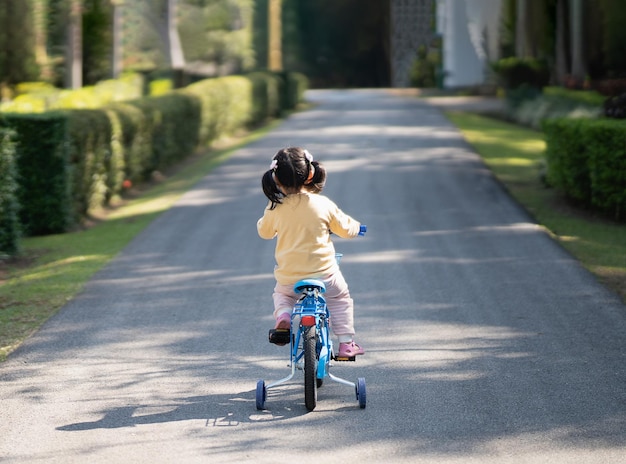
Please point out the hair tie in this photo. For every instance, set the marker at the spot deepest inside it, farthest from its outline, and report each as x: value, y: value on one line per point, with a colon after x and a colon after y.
x: 308, y: 156
x: 273, y: 165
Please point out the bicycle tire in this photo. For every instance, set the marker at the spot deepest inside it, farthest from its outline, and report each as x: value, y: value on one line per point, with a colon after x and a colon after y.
x: 310, y: 368
x: 261, y: 395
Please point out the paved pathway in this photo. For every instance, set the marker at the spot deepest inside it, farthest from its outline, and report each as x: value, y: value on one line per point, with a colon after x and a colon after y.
x: 485, y: 341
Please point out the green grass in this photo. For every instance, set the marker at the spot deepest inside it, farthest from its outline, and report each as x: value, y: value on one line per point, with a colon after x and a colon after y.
x: 52, y: 269
x: 516, y: 157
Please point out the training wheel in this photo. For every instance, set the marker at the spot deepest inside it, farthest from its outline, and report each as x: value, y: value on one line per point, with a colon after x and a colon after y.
x: 261, y: 394
x: 361, y: 395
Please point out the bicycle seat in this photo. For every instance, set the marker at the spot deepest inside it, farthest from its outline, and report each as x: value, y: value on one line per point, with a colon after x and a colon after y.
x: 302, y: 284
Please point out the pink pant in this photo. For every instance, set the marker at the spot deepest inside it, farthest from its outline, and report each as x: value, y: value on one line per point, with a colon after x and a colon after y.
x: 337, y: 297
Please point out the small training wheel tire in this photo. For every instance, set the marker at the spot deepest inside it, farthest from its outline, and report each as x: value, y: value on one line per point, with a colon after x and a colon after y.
x: 361, y: 394
x: 261, y: 394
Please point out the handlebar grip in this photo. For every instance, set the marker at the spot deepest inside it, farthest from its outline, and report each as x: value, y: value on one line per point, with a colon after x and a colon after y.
x: 362, y: 229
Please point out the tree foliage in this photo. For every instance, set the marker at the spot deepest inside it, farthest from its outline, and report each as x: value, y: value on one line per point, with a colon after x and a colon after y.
x: 17, y: 50
x: 97, y: 40
x: 335, y: 43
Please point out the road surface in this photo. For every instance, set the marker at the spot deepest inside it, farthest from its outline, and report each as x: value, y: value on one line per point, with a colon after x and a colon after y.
x: 485, y: 341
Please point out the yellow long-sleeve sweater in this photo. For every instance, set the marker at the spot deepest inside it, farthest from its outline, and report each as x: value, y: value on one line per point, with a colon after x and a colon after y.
x: 302, y: 224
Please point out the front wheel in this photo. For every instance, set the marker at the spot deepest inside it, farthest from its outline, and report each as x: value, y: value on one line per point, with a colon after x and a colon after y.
x: 361, y: 395
x: 310, y: 368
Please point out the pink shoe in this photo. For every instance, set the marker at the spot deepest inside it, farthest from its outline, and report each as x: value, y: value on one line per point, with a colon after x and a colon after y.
x: 348, y: 350
x: 283, y: 321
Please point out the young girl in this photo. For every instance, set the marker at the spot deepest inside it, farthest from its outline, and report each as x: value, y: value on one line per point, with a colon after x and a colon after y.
x: 302, y: 220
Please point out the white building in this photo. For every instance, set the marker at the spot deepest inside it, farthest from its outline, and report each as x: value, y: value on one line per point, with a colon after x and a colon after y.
x: 470, y: 31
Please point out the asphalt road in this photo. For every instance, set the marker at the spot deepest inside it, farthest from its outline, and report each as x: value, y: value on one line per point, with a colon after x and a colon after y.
x: 486, y: 342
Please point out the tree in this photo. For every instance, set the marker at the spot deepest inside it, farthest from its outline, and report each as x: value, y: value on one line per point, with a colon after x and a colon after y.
x: 17, y: 57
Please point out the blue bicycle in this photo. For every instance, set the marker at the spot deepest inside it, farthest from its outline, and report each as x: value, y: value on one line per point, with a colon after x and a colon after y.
x: 311, y: 345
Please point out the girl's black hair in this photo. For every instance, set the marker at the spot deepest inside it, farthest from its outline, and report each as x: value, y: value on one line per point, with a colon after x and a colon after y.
x: 291, y: 170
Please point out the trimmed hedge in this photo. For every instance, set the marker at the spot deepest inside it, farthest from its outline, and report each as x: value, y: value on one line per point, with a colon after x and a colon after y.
x: 43, y: 192
x: 72, y: 162
x: 586, y: 159
x: 226, y: 104
x: 9, y: 206
x: 266, y: 95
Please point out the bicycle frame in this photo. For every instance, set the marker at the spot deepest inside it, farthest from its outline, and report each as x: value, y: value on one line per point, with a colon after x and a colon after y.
x: 311, y: 311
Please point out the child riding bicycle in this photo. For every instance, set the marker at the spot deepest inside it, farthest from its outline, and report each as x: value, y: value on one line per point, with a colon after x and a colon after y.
x: 302, y: 220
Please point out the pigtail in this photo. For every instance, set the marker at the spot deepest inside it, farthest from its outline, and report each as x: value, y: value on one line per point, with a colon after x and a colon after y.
x: 270, y: 189
x: 316, y: 185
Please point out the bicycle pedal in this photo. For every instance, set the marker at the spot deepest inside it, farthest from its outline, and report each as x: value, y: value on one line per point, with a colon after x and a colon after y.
x: 344, y: 358
x: 280, y: 336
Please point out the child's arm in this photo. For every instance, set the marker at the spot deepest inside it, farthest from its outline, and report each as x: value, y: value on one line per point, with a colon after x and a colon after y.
x: 343, y: 225
x: 265, y: 229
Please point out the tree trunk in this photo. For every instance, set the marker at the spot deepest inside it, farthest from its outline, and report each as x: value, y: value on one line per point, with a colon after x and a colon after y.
x: 275, y: 58
x: 117, y: 56
x: 174, y: 48
x: 578, y: 61
x: 561, y: 54
x: 41, y: 33
x: 521, y: 30
x: 74, y: 52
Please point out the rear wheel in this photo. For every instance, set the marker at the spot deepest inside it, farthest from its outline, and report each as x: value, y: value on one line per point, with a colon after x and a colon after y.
x: 261, y: 395
x: 310, y: 368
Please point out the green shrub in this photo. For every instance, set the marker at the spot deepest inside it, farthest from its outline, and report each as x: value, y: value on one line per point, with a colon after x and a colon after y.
x: 40, y: 97
x: 34, y: 87
x: 515, y: 72
x: 586, y: 159
x: 587, y: 97
x: 9, y: 206
x: 226, y: 105
x: 607, y: 166
x: 295, y: 86
x: 265, y: 95
x: 131, y: 133
x: 169, y: 126
x: 89, y: 136
x: 566, y: 158
x: 532, y: 111
x: 26, y: 103
x: 44, y: 191
x: 160, y: 87
x: 424, y: 69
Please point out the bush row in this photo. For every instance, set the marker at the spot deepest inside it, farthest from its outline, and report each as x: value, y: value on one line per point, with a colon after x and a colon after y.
x: 586, y: 159
x: 73, y: 161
